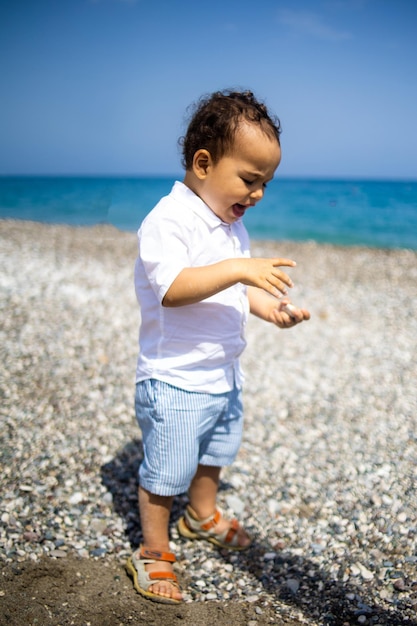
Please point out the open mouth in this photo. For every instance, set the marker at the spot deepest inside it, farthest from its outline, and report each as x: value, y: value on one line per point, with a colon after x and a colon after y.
x: 238, y: 210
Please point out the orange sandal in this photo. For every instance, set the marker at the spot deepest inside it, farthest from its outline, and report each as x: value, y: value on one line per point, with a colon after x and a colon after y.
x: 142, y: 579
x: 190, y: 527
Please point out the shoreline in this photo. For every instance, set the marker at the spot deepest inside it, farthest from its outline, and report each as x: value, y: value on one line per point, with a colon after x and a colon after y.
x: 260, y: 240
x: 325, y: 478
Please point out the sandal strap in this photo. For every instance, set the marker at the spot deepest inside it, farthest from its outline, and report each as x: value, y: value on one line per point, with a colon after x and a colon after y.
x: 163, y: 576
x: 211, y: 521
x: 202, y: 524
x: 143, y: 580
x: 156, y: 555
x: 204, y: 528
x: 234, y: 527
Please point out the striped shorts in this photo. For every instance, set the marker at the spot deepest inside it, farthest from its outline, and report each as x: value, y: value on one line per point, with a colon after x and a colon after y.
x: 182, y: 429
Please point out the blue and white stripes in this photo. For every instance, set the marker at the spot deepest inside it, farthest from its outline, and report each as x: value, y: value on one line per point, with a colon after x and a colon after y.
x: 182, y: 429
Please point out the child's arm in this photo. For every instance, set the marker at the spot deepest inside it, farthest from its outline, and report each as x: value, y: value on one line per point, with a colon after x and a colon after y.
x: 194, y: 284
x: 281, y: 313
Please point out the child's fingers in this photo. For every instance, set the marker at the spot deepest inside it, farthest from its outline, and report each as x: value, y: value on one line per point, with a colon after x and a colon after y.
x: 278, y: 287
x: 280, y: 280
x: 284, y: 262
x: 282, y: 276
x: 265, y: 273
x: 290, y: 309
x: 294, y: 312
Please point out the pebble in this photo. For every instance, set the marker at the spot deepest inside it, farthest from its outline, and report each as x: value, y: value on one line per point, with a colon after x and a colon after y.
x: 364, y: 572
x: 293, y: 584
x: 211, y: 596
x: 235, y: 503
x: 327, y: 466
x: 76, y: 498
x: 399, y: 584
x: 59, y: 554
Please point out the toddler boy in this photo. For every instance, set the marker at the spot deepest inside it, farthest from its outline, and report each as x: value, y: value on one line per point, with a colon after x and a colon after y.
x: 196, y: 284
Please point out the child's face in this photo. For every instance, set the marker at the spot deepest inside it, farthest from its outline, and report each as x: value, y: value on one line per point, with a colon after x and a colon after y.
x: 238, y: 180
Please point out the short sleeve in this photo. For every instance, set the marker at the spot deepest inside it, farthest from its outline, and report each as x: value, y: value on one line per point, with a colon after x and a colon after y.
x: 163, y: 248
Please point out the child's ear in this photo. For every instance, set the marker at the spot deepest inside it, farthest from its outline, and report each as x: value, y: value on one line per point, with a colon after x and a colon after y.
x: 202, y: 161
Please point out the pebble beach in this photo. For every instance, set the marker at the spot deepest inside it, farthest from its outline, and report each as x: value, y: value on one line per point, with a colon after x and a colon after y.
x: 325, y: 480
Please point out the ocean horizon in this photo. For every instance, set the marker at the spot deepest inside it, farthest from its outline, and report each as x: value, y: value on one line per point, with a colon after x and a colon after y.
x: 376, y: 213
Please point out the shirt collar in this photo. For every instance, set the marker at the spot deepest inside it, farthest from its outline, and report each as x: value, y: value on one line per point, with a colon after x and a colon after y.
x: 196, y: 204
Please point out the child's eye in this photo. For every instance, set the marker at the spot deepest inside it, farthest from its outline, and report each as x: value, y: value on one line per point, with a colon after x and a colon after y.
x: 251, y: 182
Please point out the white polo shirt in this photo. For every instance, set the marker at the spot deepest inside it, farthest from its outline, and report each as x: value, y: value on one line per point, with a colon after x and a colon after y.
x: 197, y: 346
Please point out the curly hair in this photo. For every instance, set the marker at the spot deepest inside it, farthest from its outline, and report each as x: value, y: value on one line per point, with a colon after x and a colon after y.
x: 215, y: 119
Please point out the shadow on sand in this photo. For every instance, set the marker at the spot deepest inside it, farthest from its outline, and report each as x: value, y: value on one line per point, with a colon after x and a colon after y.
x: 294, y: 580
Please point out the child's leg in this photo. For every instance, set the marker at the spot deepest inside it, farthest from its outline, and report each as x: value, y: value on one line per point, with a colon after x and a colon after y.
x: 154, y: 514
x: 203, y: 490
x: 203, y: 497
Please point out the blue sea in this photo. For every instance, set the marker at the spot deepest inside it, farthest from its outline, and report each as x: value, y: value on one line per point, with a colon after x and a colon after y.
x: 370, y: 213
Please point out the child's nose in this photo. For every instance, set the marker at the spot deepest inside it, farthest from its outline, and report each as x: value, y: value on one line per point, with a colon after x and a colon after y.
x: 257, y: 194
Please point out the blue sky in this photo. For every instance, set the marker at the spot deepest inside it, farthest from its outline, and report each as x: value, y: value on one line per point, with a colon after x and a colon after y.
x: 102, y: 86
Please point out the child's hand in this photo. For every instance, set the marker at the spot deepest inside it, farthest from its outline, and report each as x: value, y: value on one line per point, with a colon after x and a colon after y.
x: 264, y: 273
x: 286, y: 315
